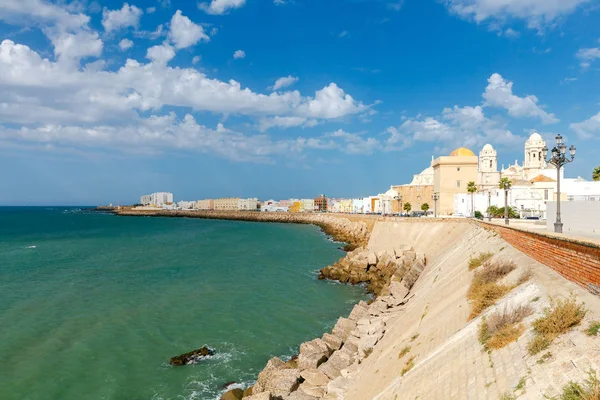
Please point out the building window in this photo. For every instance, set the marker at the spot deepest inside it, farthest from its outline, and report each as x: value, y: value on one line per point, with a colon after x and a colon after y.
x: 458, y: 169
x: 545, y: 194
x: 457, y: 184
x: 490, y: 164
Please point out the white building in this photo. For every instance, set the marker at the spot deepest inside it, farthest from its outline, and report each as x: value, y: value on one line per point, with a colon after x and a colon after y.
x: 580, y: 189
x: 186, y: 205
x: 273, y: 206
x: 248, y: 204
x: 158, y: 199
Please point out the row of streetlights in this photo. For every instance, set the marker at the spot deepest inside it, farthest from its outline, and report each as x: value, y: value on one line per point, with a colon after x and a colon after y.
x: 559, y: 159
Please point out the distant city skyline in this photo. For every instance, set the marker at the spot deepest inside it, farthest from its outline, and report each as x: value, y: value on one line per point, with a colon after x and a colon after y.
x: 102, y: 101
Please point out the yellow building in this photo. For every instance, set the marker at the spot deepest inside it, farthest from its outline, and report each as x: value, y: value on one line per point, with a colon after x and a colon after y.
x: 296, y: 207
x: 346, y: 205
x: 226, y: 204
x: 451, y: 175
x: 417, y: 193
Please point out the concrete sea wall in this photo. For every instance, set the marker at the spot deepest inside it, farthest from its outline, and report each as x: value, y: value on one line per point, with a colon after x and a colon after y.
x: 352, y: 230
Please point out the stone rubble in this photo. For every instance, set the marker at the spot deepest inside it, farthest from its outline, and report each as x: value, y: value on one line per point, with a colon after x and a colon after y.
x: 326, y: 365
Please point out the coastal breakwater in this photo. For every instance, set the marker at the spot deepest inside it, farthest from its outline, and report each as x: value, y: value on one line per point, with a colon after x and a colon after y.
x: 353, y: 231
x: 323, y: 364
x: 423, y: 342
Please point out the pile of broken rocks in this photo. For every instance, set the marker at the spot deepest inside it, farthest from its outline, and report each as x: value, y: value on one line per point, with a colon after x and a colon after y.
x: 325, y: 366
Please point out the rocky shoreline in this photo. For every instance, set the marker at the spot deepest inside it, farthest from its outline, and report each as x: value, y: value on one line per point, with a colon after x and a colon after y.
x: 324, y: 366
x: 354, y: 233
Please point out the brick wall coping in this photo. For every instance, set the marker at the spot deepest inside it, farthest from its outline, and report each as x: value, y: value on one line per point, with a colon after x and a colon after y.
x: 549, y: 235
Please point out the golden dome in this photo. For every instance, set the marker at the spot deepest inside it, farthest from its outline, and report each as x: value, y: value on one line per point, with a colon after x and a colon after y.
x: 462, y: 152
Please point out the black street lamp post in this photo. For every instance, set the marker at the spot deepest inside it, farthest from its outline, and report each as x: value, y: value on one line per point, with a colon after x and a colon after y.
x: 435, y: 197
x: 559, y: 159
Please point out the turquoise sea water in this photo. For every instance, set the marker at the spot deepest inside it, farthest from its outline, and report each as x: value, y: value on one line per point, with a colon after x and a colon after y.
x: 92, y: 306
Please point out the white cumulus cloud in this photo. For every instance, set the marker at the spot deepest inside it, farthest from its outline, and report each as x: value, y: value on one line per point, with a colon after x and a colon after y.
x: 588, y: 56
x: 536, y: 13
x: 219, y: 7
x: 239, y: 54
x: 499, y: 94
x: 184, y: 33
x: 284, y: 82
x: 127, y: 16
x: 125, y: 44
x: 587, y: 129
x: 161, y: 54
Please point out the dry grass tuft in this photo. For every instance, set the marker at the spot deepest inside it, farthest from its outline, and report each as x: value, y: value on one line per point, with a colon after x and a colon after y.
x: 367, y: 352
x: 475, y: 262
x: 557, y: 320
x: 485, y: 290
x: 404, y: 352
x: 503, y: 328
x: 590, y: 390
x: 408, y: 366
x: 525, y: 276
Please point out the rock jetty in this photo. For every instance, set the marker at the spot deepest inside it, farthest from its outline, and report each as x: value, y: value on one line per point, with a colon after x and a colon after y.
x: 353, y: 232
x: 324, y: 365
x: 192, y: 357
x: 379, y: 269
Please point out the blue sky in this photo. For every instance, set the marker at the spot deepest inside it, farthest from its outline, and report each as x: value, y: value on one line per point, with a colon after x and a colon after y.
x: 103, y: 101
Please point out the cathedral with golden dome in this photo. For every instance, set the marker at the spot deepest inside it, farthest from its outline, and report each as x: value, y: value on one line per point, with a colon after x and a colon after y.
x: 448, y: 176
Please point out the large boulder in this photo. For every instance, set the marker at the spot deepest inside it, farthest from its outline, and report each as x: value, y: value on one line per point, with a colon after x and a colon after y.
x: 314, y: 377
x: 359, y: 311
x: 372, y: 259
x: 300, y: 395
x: 343, y: 328
x: 282, y: 382
x: 233, y: 394
x: 338, y: 361
x: 260, y: 396
x: 312, y: 390
x: 313, y: 354
x: 273, y: 365
x: 192, y: 357
x: 332, y: 341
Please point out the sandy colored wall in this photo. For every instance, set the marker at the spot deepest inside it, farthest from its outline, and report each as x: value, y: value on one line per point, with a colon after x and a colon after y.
x: 449, y: 361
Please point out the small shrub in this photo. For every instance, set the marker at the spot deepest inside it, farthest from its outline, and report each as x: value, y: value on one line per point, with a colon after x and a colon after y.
x: 404, y: 351
x: 589, y: 390
x: 521, y: 384
x: 414, y: 337
x: 557, y: 320
x: 485, y: 296
x: 544, y: 358
x: 525, y: 276
x: 537, y: 344
x: 508, y: 396
x: 485, y: 290
x: 593, y: 329
x: 408, y: 366
x: 479, y: 260
x: 367, y: 352
x: 502, y: 328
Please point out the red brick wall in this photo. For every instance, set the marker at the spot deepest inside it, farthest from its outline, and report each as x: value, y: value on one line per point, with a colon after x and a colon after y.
x: 575, y: 260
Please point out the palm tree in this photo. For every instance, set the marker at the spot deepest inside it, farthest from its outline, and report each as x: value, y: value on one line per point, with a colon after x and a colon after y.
x: 596, y: 174
x: 471, y: 188
x: 425, y: 207
x: 505, y: 185
x: 407, y: 207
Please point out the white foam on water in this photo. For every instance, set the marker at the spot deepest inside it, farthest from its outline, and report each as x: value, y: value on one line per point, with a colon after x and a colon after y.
x: 31, y: 247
